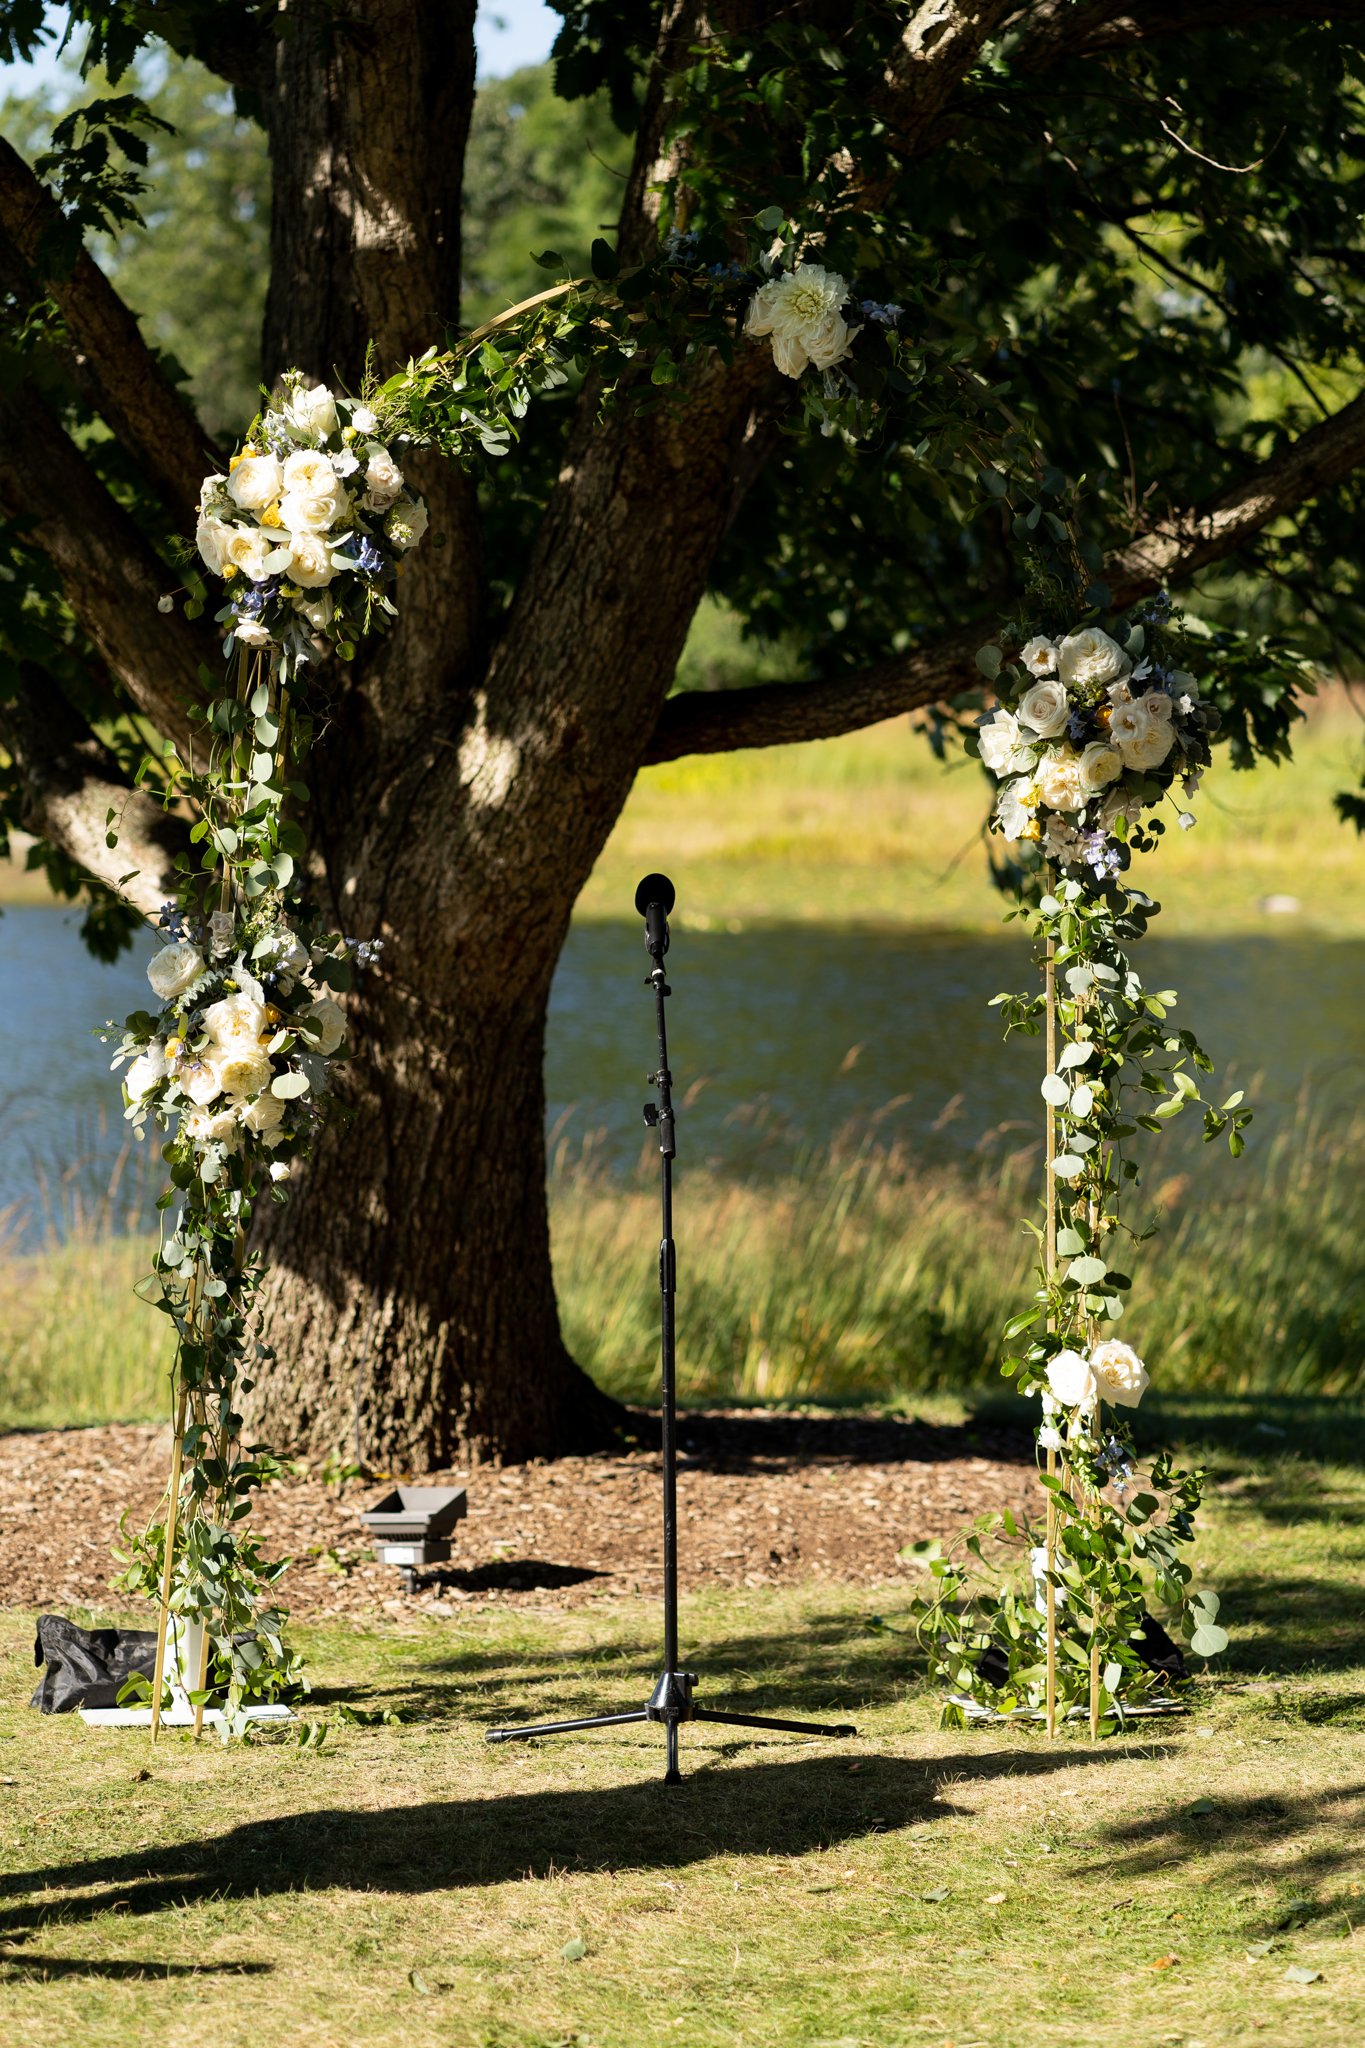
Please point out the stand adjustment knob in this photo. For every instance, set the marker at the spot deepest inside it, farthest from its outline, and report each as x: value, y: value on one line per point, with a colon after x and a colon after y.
x: 651, y: 1114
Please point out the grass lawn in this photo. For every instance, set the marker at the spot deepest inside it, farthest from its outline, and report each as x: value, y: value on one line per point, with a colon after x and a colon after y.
x: 405, y: 1884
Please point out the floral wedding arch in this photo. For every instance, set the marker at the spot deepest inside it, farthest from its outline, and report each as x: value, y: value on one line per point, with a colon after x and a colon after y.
x: 1098, y: 718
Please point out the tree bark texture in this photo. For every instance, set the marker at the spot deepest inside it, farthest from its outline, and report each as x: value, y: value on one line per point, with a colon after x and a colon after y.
x: 464, y: 782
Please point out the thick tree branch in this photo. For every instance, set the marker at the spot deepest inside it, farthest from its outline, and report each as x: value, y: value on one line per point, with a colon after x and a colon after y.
x: 134, y: 396
x: 72, y: 783
x: 938, y: 47
x: 111, y: 575
x: 1174, y: 549
x: 1058, y: 29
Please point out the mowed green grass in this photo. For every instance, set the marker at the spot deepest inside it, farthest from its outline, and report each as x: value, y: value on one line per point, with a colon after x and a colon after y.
x: 407, y: 1884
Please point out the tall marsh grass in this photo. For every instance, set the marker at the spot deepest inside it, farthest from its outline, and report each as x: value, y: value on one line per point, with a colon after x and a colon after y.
x: 854, y: 1273
x: 863, y: 1274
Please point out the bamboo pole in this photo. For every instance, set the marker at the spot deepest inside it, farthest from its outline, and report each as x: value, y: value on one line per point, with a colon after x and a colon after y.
x: 1050, y: 1267
x: 168, y: 1565
x: 201, y: 1683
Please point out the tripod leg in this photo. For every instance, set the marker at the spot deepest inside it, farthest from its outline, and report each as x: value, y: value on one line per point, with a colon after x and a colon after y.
x: 782, y: 1727
x: 563, y: 1727
x: 672, y: 1776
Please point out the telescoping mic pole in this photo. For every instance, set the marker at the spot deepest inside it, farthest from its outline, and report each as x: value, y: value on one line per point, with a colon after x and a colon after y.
x: 671, y: 1700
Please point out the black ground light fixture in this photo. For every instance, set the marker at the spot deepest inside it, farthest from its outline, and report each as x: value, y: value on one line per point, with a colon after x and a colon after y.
x: 413, y: 1525
x: 671, y: 1700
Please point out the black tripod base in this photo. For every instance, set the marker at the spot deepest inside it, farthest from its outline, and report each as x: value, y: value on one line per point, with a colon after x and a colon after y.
x: 671, y: 1703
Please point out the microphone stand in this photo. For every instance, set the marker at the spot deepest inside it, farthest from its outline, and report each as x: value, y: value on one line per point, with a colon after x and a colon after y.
x: 671, y: 1700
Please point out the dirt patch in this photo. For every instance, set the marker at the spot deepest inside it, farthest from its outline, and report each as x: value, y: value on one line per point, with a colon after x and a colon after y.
x: 763, y: 1500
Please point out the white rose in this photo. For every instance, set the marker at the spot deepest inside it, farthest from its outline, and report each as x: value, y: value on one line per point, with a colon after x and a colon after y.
x: 1101, y: 763
x: 251, y: 550
x: 242, y: 1068
x: 384, y: 480
x: 251, y: 633
x: 312, y: 412
x: 310, y: 560
x: 1072, y: 1380
x: 1090, y: 658
x: 313, y: 494
x: 1150, y: 749
x: 1060, y: 840
x: 1040, y: 656
x: 1015, y: 806
x: 209, y: 487
x: 1004, y: 749
x: 265, y: 1114
x: 407, y: 522
x: 315, y: 511
x: 802, y: 312
x: 173, y: 970
x: 1060, y: 783
x: 363, y: 420
x: 1046, y: 707
x: 1142, y: 735
x: 1120, y: 1374
x: 222, y: 930
x: 330, y: 1022
x: 319, y: 611
x: 199, y: 1080
x: 218, y: 1128
x: 211, y: 537
x: 254, y: 482
x: 281, y: 1169
x: 146, y: 1072
x: 283, y: 953
x: 235, y: 1017
x: 1119, y: 802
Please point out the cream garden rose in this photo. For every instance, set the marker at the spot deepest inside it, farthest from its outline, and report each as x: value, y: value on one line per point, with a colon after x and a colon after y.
x: 309, y: 560
x: 1143, y: 736
x: 173, y: 970
x: 1089, y: 659
x: 1119, y: 1373
x: 250, y: 550
x: 211, y: 537
x: 314, y: 496
x: 242, y: 1069
x: 234, y: 1017
x: 211, y: 1127
x: 802, y: 314
x: 1101, y: 764
x: 264, y: 1115
x: 1061, y: 785
x: 255, y: 482
x: 1045, y: 707
x: 1015, y: 807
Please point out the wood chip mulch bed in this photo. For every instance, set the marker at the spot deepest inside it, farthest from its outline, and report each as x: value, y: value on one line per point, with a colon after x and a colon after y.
x: 763, y: 1499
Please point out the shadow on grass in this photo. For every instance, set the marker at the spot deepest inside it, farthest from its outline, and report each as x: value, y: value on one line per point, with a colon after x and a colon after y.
x: 828, y: 1664
x: 773, y: 1441
x: 793, y: 1808
x: 1298, y: 1624
x: 34, y: 1969
x: 1325, y: 1829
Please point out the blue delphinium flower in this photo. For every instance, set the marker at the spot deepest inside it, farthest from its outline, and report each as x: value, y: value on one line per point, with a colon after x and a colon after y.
x: 885, y: 316
x: 1100, y: 854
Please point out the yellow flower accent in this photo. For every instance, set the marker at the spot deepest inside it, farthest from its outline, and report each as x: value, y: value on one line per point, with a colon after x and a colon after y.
x: 1103, y: 715
x: 348, y: 433
x: 272, y: 1015
x: 1031, y: 797
x: 271, y: 515
x: 174, y: 1048
x: 241, y: 456
x: 229, y: 572
x: 1033, y: 830
x: 288, y: 590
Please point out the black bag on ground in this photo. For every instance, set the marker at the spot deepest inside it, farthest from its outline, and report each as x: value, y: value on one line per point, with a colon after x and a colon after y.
x: 87, y: 1667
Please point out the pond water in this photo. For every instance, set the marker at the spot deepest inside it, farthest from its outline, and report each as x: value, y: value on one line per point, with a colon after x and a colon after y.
x: 794, y: 1031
